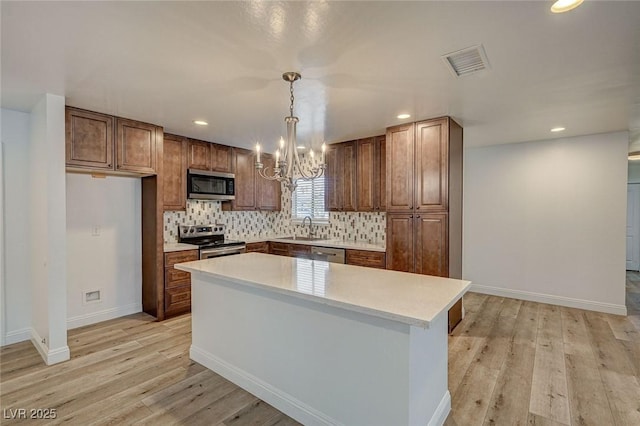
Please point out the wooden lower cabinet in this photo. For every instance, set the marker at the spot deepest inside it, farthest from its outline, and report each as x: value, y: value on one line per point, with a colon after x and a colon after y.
x: 258, y: 247
x: 291, y: 250
x: 371, y: 259
x: 455, y: 315
x: 177, y: 283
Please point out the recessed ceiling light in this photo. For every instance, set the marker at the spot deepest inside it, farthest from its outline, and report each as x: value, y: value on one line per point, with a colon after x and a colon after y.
x: 403, y: 116
x: 200, y: 123
x: 562, y: 6
x: 301, y: 147
x: 557, y: 129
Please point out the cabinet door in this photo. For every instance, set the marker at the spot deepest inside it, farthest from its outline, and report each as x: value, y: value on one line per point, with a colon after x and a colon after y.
x: 400, y: 252
x: 199, y: 155
x: 258, y: 247
x: 432, y: 249
x: 349, y: 179
x: 174, y: 172
x: 371, y: 259
x: 136, y: 146
x: 244, y: 169
x: 220, y: 158
x: 332, y: 189
x: 366, y: 175
x: 399, y: 170
x: 268, y: 192
x: 89, y: 139
x: 432, y: 165
x: 380, y: 182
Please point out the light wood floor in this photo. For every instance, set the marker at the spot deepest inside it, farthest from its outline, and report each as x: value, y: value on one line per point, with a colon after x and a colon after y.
x: 510, y: 363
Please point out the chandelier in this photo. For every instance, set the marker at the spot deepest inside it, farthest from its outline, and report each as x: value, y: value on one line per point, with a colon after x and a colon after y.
x: 287, y: 167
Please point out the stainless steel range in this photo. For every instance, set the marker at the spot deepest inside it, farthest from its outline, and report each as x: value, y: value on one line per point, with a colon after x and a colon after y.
x: 210, y: 240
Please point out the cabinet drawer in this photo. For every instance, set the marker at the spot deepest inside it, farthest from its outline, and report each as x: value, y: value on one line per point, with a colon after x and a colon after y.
x: 372, y: 259
x: 260, y: 247
x: 174, y: 257
x: 175, y: 277
x: 299, y: 250
x: 281, y: 249
x: 177, y: 299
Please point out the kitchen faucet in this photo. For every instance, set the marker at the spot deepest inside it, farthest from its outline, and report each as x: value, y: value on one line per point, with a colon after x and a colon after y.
x: 311, y: 233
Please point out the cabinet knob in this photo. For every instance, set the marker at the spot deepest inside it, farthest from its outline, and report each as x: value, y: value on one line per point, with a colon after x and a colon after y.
x: 410, y: 207
x: 411, y: 217
x: 418, y: 207
x: 418, y: 216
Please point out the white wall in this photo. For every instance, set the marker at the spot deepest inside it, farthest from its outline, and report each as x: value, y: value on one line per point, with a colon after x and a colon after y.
x: 47, y: 215
x: 546, y: 220
x: 110, y: 261
x: 16, y: 309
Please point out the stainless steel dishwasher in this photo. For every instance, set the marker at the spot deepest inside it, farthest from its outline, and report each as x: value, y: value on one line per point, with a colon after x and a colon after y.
x: 327, y: 254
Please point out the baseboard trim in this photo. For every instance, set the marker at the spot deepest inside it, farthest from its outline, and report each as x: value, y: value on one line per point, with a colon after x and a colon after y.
x: 50, y: 356
x: 17, y: 336
x: 608, y: 308
x: 442, y: 411
x: 104, y: 315
x: 284, y: 402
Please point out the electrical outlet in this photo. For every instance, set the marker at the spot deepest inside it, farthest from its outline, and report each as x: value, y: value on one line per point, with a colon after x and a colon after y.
x: 44, y: 340
x: 95, y: 231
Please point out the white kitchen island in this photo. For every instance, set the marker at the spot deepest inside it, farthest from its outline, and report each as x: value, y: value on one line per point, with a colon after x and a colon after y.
x: 326, y: 343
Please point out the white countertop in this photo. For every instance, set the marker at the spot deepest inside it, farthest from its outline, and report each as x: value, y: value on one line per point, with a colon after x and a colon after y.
x: 178, y: 247
x: 408, y: 298
x: 354, y: 245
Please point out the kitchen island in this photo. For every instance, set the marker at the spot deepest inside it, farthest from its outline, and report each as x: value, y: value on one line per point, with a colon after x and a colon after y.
x: 326, y: 343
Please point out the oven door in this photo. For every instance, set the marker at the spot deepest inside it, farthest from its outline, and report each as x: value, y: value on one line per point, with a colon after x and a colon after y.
x: 208, y: 253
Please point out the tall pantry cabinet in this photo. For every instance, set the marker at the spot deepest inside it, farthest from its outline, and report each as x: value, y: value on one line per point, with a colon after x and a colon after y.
x: 424, y: 199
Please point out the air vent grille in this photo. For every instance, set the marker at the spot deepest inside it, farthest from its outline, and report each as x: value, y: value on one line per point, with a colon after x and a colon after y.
x: 467, y: 61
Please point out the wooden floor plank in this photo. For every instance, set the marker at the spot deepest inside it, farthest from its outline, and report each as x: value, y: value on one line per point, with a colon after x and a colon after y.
x: 549, y: 395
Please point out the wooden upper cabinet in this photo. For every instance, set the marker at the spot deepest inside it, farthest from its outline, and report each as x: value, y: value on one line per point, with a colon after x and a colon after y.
x: 432, y: 165
x: 400, y: 244
x: 89, y: 139
x: 199, y: 155
x: 136, y: 146
x: 366, y: 174
x: 370, y: 174
x: 349, y: 181
x: 268, y: 192
x: 174, y: 172
x: 400, y: 168
x: 245, y: 173
x: 431, y: 244
x: 340, y: 177
x: 381, y: 162
x: 220, y: 158
x: 94, y: 141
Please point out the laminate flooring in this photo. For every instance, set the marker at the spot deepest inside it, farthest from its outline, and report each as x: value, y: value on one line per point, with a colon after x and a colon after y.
x: 511, y: 362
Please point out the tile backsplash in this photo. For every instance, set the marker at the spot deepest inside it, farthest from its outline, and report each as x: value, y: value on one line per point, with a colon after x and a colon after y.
x: 347, y: 226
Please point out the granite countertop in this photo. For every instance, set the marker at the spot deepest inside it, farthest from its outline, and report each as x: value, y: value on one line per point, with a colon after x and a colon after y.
x: 412, y: 299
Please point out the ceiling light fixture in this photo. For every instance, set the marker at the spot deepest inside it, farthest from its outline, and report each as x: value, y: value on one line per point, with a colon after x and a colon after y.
x: 288, y: 168
x: 634, y: 156
x: 403, y: 116
x: 561, y: 6
x: 200, y: 123
x: 557, y: 129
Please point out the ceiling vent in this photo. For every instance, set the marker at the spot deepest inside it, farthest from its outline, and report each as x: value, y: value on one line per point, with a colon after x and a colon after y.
x: 466, y: 61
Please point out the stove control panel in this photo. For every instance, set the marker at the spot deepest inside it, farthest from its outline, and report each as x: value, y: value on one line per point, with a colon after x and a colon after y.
x: 193, y: 231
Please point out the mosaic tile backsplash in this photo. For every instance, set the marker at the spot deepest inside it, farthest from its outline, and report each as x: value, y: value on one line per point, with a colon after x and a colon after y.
x: 346, y: 226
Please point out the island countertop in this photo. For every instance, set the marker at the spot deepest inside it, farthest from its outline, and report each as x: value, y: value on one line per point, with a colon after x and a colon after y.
x: 404, y: 297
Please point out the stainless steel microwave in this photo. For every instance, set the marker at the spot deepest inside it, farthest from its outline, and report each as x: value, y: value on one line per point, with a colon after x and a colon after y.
x: 203, y: 185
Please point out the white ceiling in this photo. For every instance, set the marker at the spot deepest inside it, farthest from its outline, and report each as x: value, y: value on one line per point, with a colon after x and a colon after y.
x: 362, y: 64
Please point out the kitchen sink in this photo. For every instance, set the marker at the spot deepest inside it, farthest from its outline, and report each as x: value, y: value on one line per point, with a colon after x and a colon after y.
x: 299, y: 238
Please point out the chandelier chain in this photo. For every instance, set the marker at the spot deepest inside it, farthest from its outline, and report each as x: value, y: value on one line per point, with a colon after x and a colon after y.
x: 291, y: 91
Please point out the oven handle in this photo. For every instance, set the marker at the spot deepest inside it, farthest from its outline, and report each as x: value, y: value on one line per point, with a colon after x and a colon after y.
x: 223, y: 251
